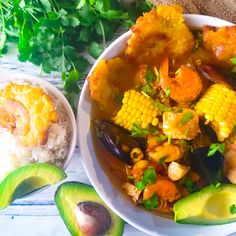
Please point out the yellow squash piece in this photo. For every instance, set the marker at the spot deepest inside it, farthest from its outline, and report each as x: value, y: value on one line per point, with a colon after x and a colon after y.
x: 137, y: 109
x: 28, y: 112
x: 218, y: 106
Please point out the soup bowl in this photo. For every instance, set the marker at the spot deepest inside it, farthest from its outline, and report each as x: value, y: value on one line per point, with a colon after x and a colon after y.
x: 145, y: 221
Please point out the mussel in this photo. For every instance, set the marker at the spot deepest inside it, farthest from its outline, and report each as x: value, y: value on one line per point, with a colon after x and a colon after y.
x: 217, y: 75
x: 209, y: 168
x: 116, y: 139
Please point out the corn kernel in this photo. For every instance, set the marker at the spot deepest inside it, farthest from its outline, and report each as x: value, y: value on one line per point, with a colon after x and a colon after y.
x: 218, y: 106
x: 155, y: 121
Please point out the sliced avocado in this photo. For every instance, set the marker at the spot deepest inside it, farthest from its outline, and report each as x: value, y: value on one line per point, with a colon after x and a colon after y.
x: 27, y: 179
x: 213, y: 205
x: 84, y: 212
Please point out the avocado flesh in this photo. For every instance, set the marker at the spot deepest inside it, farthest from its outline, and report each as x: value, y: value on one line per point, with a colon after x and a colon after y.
x: 26, y: 179
x: 210, y: 206
x: 69, y: 195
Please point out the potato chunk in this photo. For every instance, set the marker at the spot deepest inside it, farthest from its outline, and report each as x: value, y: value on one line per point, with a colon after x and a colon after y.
x: 161, y: 31
x: 182, y: 125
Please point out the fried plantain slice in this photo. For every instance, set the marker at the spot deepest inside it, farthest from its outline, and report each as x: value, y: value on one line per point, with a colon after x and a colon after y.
x: 161, y: 31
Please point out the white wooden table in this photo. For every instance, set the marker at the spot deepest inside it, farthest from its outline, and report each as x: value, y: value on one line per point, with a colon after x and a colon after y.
x: 37, y: 215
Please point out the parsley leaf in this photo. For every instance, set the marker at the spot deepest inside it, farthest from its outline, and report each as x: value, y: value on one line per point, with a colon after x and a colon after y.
x: 167, y: 92
x: 233, y: 60
x: 138, y: 132
x: 151, y: 203
x: 233, y: 209
x: 189, y: 184
x: 161, y: 107
x: 161, y: 138
x: 149, y: 177
x: 154, y: 131
x: 198, y: 37
x: 220, y: 147
x: 149, y: 76
x: 187, y: 117
x: 162, y: 161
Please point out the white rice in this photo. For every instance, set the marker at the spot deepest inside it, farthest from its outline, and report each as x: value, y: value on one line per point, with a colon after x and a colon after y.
x: 54, y: 151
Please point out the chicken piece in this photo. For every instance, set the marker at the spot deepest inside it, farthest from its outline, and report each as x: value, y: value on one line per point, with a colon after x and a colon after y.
x: 159, y: 32
x: 177, y: 171
x: 185, y: 87
x: 221, y: 42
x: 181, y: 125
x: 167, y: 151
x: 27, y: 112
x: 132, y: 191
x: 164, y: 188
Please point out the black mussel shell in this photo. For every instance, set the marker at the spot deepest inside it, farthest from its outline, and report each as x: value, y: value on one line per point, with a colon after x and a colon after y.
x: 209, y: 131
x: 209, y: 168
x: 114, y: 138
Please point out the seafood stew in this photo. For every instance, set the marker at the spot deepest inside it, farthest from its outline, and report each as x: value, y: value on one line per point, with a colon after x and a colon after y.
x: 165, y: 109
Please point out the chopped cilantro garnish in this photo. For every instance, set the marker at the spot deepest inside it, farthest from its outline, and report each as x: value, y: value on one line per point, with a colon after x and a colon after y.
x: 151, y: 203
x: 162, y: 107
x: 233, y: 60
x: 232, y: 209
x: 187, y: 117
x: 130, y: 176
x: 189, y: 184
x: 198, y: 37
x: 167, y: 92
x: 148, y: 90
x: 161, y: 138
x: 220, y: 147
x: 149, y: 177
x: 149, y: 76
x: 154, y: 131
x: 169, y: 139
x: 217, y: 185
x: 118, y: 97
x: 162, y: 160
x: 138, y: 132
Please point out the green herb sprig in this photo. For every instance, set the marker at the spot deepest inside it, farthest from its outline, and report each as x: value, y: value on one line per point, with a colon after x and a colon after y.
x: 187, y: 117
x: 216, y: 147
x: 138, y: 132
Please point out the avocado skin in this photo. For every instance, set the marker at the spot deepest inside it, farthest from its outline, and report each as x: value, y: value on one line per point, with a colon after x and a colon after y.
x: 193, y: 200
x: 26, y: 179
x: 69, y: 194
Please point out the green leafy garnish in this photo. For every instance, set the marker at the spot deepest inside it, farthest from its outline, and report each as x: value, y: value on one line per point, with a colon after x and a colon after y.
x: 198, y: 37
x: 162, y: 161
x: 161, y: 138
x: 149, y: 177
x: 220, y: 147
x: 232, y: 209
x: 187, y: 117
x: 148, y: 90
x: 151, y: 203
x: 138, y: 132
x: 233, y: 60
x: 149, y: 76
x: 161, y: 107
x: 189, y: 184
x: 167, y: 92
x: 154, y: 131
x: 53, y: 34
x: 130, y: 176
x: 169, y: 139
x: 118, y: 97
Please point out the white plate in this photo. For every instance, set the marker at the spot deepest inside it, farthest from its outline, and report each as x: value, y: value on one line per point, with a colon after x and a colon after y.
x: 139, y: 218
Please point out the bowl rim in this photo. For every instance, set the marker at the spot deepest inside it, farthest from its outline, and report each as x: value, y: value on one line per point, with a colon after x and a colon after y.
x: 6, y: 77
x: 89, y: 158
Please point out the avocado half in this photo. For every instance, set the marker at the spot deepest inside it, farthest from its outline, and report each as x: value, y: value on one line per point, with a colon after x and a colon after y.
x: 84, y: 212
x: 210, y: 206
x: 26, y: 179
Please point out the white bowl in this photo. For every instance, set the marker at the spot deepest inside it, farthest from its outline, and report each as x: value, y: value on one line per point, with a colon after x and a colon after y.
x: 7, y: 77
x: 139, y: 218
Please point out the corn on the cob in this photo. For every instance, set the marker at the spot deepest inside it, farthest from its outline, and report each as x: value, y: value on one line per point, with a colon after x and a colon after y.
x: 137, y: 108
x: 218, y: 105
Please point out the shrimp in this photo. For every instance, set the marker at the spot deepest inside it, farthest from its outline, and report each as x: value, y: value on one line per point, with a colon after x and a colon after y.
x: 164, y: 188
x: 186, y: 85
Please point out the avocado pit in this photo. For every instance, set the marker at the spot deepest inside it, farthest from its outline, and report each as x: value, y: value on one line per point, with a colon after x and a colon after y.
x: 92, y: 218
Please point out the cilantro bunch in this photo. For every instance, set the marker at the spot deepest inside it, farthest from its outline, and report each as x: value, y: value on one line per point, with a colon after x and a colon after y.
x: 54, y: 33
